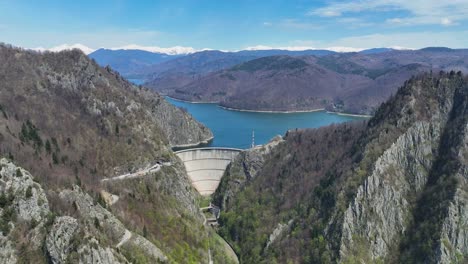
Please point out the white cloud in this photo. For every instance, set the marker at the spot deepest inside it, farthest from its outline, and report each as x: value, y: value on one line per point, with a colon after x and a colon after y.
x: 447, y: 22
x: 95, y: 39
x: 420, y: 12
x: 410, y: 40
x: 85, y: 49
x: 330, y: 13
x: 344, y: 49
x: 399, y: 41
x: 267, y: 24
x: 259, y: 47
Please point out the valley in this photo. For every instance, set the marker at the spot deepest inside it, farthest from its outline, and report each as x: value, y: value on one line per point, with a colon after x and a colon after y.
x: 285, y: 81
x: 234, y: 132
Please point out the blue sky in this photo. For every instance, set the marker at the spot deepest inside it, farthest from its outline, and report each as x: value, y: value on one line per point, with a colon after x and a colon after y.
x: 233, y: 25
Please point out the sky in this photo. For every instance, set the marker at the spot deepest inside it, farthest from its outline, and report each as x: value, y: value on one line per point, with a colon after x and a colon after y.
x: 236, y: 24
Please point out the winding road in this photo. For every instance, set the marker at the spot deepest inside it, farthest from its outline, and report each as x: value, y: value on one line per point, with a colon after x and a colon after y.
x: 137, y: 174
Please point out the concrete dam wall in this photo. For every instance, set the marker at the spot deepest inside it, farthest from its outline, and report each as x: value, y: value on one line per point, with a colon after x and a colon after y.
x: 206, y: 166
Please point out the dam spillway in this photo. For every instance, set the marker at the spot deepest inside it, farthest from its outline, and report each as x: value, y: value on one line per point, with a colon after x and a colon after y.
x: 206, y: 166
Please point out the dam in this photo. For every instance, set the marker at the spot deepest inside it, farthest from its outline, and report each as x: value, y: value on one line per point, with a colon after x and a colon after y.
x: 206, y: 166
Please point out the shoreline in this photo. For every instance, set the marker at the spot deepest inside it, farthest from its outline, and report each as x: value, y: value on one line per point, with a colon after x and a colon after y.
x: 190, y: 102
x: 206, y: 141
x: 271, y: 112
x: 345, y: 114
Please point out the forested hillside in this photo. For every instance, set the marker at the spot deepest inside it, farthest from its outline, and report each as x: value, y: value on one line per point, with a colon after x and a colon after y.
x: 65, y: 125
x: 391, y: 190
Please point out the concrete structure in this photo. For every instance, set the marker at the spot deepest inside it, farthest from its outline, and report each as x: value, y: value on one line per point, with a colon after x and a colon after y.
x: 206, y: 166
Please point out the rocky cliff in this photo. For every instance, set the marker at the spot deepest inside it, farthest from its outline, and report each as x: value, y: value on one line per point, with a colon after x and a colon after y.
x: 389, y: 191
x: 242, y: 169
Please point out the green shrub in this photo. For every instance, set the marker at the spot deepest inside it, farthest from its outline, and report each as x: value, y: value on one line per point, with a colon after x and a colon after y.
x: 29, y: 192
x: 55, y: 159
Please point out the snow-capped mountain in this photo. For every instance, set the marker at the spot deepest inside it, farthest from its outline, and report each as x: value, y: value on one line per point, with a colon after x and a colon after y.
x: 87, y: 50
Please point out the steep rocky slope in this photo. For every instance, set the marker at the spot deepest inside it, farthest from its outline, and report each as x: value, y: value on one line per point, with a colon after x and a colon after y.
x: 241, y: 170
x: 66, y: 111
x: 72, y: 124
x: 29, y: 227
x: 390, y: 191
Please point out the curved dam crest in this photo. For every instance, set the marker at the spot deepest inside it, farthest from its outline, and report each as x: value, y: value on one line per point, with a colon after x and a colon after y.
x: 206, y: 166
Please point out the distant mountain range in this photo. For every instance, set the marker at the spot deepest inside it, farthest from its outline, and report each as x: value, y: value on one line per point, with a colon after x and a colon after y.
x: 354, y: 83
x: 144, y: 62
x: 149, y: 65
x: 283, y: 80
x: 284, y: 83
x: 129, y: 62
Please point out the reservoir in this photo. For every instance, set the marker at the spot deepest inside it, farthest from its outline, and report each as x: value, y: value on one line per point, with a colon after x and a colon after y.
x: 234, y: 128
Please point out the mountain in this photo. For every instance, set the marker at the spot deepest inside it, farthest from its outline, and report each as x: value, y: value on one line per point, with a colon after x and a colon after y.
x: 283, y: 83
x: 170, y: 75
x: 128, y: 62
x: 354, y: 83
x: 178, y: 72
x: 67, y: 127
x: 375, y: 50
x: 163, y: 66
x: 389, y: 190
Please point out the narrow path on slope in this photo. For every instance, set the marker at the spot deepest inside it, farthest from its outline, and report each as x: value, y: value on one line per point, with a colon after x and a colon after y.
x: 127, y: 235
x: 136, y: 174
x: 210, y: 261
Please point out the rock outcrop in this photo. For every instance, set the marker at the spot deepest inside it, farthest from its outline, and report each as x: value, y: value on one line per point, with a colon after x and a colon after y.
x: 179, y: 126
x: 242, y: 169
x: 22, y: 202
x: 104, y: 222
x: 59, y: 238
x: 90, y: 236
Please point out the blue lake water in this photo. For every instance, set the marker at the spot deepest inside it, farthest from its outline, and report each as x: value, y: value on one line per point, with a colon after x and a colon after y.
x: 234, y: 128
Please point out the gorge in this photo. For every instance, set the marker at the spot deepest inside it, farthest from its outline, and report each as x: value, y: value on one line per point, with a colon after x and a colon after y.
x: 89, y: 173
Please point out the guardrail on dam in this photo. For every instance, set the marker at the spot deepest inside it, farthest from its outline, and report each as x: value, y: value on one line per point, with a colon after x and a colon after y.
x: 206, y: 166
